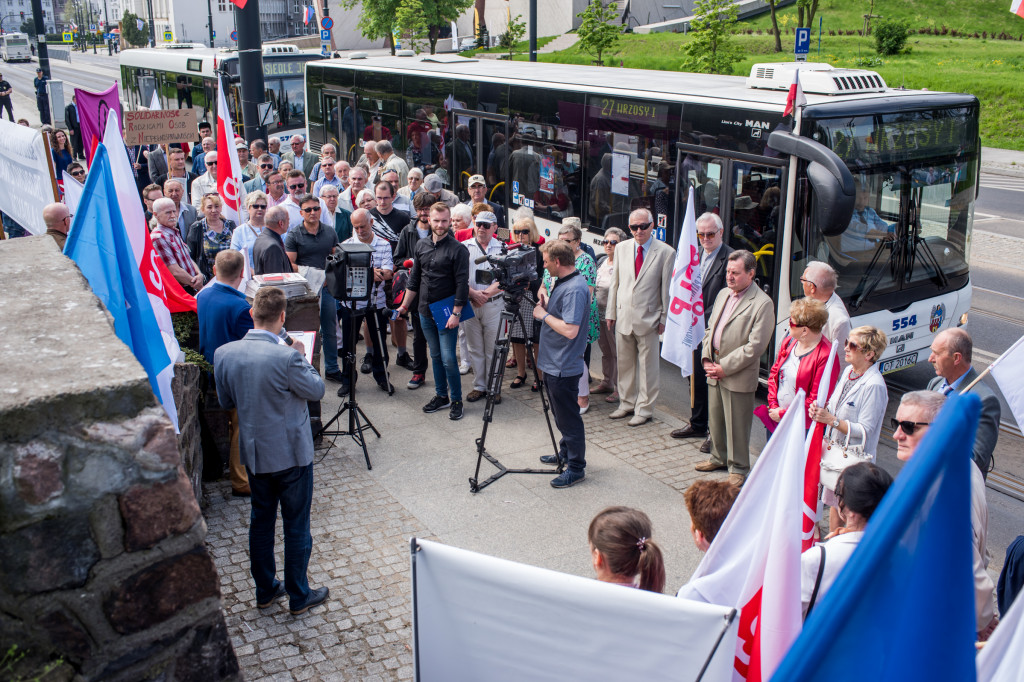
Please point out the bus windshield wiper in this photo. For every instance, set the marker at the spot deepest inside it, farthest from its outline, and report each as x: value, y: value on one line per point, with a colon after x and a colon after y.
x: 865, y: 291
x: 929, y: 257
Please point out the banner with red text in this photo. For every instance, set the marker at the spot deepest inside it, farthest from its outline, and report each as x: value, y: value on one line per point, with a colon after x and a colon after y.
x: 684, y: 327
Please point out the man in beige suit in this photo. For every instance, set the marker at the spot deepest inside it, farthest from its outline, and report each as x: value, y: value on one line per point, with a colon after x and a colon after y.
x: 638, y: 301
x: 738, y: 333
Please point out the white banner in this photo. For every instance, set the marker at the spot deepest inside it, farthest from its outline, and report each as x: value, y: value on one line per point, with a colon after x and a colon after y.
x: 684, y: 326
x: 1007, y: 370
x: 25, y: 183
x: 476, y: 617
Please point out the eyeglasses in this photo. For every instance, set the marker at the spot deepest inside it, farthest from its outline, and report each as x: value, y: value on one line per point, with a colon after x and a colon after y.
x: 521, y: 231
x: 794, y: 325
x: 259, y: 207
x: 266, y: 165
x: 807, y: 281
x: 851, y: 345
x: 639, y: 228
x: 302, y: 186
x: 707, y: 235
x: 908, y: 427
x: 311, y: 209
x: 77, y: 173
x: 211, y: 163
x: 609, y: 242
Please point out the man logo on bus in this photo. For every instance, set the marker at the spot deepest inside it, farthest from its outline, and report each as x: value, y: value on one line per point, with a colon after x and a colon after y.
x: 938, y: 315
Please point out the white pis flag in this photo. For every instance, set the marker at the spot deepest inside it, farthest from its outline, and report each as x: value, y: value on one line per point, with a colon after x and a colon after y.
x: 1007, y: 370
x: 753, y: 564
x: 684, y: 326
x: 138, y: 233
x: 1002, y: 659
x: 229, y: 175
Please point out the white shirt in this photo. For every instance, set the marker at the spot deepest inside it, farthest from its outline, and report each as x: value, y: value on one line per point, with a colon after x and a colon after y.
x: 838, y: 551
x: 244, y: 237
x: 837, y: 329
x: 493, y: 247
x: 201, y: 186
x: 294, y: 212
x: 787, y: 379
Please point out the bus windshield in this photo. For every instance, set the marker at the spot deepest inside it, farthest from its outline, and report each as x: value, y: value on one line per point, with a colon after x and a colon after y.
x: 909, y: 237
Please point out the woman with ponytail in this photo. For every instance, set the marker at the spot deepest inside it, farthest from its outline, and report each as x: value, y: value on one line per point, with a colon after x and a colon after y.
x: 622, y: 549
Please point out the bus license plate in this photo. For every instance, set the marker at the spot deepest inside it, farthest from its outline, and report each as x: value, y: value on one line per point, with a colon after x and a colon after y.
x: 902, y: 362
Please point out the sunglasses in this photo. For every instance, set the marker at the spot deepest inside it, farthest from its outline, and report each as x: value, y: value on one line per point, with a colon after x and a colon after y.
x: 311, y: 209
x: 794, y: 325
x: 521, y: 231
x: 78, y: 172
x: 707, y: 235
x: 908, y: 427
x: 609, y: 242
x: 259, y: 207
x: 639, y: 228
x: 851, y: 345
x: 303, y: 186
x: 807, y: 281
x: 266, y: 165
x: 211, y: 163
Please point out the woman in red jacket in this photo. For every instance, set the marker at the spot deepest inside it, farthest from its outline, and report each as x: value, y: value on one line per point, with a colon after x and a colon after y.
x: 801, y: 361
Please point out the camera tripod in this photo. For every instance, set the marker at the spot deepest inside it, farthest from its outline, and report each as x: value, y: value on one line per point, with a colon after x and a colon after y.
x: 358, y: 422
x: 495, y: 375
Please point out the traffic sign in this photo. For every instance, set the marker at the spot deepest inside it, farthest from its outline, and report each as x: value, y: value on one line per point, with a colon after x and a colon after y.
x: 234, y: 35
x: 214, y: 33
x: 325, y: 35
x: 803, y: 41
x: 324, y: 51
x: 168, y: 37
x: 92, y: 27
x: 327, y: 23
x: 68, y: 38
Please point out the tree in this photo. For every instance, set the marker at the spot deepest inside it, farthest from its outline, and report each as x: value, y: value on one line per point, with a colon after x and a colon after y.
x: 438, y: 13
x: 411, y: 23
x: 513, y: 35
x: 28, y: 26
x: 131, y: 32
x: 775, y: 25
x: 597, y: 34
x: 710, y: 48
x: 806, y: 8
x: 377, y: 18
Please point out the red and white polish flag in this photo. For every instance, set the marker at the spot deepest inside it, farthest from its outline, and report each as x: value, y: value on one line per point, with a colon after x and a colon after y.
x: 796, y: 95
x: 753, y: 564
x: 229, y: 175
x: 1018, y: 8
x: 813, y: 446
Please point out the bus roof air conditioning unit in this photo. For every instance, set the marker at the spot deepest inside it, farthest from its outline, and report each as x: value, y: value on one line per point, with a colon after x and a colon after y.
x: 815, y: 78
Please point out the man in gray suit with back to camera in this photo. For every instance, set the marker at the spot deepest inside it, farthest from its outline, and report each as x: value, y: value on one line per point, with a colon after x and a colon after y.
x: 269, y: 384
x: 951, y: 355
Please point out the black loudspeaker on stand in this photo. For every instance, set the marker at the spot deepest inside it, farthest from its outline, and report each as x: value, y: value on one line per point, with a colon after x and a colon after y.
x: 495, y: 375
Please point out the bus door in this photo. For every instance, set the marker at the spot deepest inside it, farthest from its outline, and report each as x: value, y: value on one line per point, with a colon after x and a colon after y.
x: 469, y: 149
x: 745, y: 191
x: 343, y: 124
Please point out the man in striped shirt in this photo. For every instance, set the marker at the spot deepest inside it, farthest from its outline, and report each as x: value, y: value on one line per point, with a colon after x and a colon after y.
x: 168, y: 244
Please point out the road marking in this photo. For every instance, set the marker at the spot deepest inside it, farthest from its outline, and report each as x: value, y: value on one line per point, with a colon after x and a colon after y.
x: 999, y: 293
x: 997, y: 316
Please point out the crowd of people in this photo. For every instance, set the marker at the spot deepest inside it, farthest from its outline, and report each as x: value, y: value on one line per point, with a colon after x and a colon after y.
x: 429, y: 259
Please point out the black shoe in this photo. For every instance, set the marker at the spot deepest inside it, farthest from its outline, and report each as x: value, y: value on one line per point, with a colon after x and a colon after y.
x: 335, y: 376
x: 549, y: 459
x: 386, y: 386
x: 367, y: 365
x: 567, y: 479
x: 316, y: 598
x: 456, y: 412
x: 344, y: 390
x: 689, y: 432
x: 405, y: 361
x: 438, y: 402
x: 278, y: 593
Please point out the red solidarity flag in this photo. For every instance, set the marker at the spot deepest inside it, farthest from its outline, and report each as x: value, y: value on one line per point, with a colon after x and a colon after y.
x: 815, y: 439
x: 160, y: 282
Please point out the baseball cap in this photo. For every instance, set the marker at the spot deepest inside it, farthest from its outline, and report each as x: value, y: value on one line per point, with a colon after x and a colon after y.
x: 485, y: 217
x: 477, y: 180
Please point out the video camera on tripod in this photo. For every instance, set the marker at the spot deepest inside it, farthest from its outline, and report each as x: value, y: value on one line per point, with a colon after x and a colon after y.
x: 513, y: 269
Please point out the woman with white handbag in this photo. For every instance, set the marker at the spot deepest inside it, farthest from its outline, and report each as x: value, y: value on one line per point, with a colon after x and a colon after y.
x: 854, y: 413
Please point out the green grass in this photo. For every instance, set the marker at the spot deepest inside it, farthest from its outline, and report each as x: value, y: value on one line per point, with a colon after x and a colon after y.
x: 522, y: 46
x: 992, y: 70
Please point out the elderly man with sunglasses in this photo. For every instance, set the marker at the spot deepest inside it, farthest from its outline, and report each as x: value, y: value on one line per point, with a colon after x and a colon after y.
x: 309, y: 244
x: 638, y: 299
x: 917, y: 412
x: 205, y: 183
x: 713, y: 256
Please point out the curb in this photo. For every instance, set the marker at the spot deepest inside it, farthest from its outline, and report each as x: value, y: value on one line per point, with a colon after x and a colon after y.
x: 1002, y: 169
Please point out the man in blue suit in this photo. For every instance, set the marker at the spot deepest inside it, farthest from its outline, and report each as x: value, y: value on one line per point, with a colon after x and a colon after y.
x: 269, y: 384
x: 224, y: 317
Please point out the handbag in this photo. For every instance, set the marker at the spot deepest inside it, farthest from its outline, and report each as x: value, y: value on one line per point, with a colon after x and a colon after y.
x: 839, y: 455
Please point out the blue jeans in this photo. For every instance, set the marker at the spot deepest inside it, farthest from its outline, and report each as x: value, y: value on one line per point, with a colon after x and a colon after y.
x: 563, y: 393
x: 293, y: 490
x: 329, y: 330
x: 442, y: 358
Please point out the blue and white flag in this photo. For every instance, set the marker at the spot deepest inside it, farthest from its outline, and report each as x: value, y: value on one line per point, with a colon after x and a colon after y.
x: 903, y: 606
x: 98, y: 242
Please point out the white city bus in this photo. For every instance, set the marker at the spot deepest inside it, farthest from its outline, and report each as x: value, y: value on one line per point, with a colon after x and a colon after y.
x: 185, y: 76
x: 596, y: 143
x: 15, y: 47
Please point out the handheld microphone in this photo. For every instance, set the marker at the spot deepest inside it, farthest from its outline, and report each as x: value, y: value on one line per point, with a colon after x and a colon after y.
x: 407, y: 264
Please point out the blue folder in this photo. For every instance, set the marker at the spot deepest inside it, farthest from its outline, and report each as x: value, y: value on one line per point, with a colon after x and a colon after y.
x: 442, y: 310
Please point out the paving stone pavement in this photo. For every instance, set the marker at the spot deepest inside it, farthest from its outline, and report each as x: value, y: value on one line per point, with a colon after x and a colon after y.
x: 362, y: 521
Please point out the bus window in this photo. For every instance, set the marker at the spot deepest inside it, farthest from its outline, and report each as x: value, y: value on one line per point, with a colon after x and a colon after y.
x: 293, y: 103
x: 627, y: 142
x: 543, y: 164
x: 755, y: 193
x: 183, y: 91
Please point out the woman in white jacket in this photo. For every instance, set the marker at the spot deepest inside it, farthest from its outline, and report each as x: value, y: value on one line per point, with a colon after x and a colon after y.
x: 854, y: 413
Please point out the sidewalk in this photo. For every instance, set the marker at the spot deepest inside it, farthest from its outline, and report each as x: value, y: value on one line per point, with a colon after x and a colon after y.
x: 362, y: 522
x: 1002, y: 162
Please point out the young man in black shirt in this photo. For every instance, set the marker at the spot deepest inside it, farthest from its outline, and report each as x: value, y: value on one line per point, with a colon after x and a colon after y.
x: 440, y: 271
x: 388, y: 221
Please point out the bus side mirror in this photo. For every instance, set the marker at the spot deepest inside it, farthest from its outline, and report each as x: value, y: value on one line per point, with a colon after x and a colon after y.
x: 831, y: 180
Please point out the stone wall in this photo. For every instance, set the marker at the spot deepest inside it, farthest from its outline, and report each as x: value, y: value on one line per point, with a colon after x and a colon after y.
x: 103, y: 566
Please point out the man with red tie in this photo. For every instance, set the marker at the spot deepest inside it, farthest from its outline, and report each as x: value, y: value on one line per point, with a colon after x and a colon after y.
x: 638, y: 300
